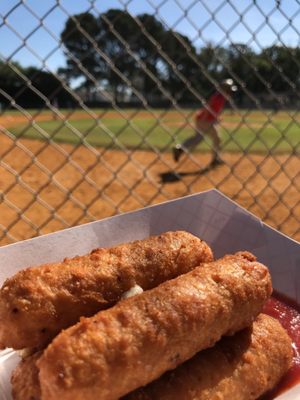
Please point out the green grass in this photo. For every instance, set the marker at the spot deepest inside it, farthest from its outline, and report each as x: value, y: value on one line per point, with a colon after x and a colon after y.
x: 278, y: 137
x: 252, y: 132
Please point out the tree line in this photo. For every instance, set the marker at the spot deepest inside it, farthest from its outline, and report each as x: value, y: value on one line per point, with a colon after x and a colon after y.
x: 141, y: 58
x: 31, y: 87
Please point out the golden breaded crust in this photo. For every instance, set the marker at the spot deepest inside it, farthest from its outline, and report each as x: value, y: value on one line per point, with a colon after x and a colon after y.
x: 39, y: 302
x: 137, y: 340
x: 25, y: 380
x: 241, y: 367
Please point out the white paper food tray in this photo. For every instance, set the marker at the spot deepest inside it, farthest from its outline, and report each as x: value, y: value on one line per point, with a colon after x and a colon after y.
x: 210, y: 215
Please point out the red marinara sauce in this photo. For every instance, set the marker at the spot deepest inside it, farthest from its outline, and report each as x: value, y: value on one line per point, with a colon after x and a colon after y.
x: 287, y: 312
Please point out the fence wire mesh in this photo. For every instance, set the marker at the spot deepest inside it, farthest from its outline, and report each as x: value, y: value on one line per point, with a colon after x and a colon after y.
x: 94, y: 97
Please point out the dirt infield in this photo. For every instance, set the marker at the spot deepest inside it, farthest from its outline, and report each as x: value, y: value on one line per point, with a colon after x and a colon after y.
x: 116, y: 181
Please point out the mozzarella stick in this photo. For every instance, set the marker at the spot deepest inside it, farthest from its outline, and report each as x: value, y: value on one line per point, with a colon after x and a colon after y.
x: 25, y: 379
x: 39, y: 302
x: 241, y: 367
x: 136, y: 341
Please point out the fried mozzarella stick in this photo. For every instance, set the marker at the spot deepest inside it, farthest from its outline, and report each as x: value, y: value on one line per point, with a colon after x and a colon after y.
x: 39, y: 302
x: 25, y: 379
x: 240, y: 367
x: 136, y: 341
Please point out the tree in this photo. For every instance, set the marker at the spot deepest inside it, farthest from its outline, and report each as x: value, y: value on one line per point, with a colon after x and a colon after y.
x: 81, y: 55
x: 11, y: 81
x: 149, y: 62
x: 93, y: 49
x: 28, y: 85
x: 213, y: 61
x: 117, y: 51
x: 282, y: 62
x: 240, y: 59
x: 112, y: 48
x: 183, y: 66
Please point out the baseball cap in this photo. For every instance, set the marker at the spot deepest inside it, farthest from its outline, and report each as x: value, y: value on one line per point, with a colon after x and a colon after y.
x: 228, y: 83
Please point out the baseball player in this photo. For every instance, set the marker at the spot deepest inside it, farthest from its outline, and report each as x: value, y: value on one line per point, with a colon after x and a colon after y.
x: 206, y: 123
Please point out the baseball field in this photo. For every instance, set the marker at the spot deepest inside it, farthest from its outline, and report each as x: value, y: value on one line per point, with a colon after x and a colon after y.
x: 53, y: 167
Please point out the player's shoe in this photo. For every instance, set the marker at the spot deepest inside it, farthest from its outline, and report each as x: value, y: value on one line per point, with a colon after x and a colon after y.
x: 177, y: 152
x: 216, y: 161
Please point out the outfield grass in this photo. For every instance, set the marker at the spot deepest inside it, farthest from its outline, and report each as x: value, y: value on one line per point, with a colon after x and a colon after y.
x: 249, y: 131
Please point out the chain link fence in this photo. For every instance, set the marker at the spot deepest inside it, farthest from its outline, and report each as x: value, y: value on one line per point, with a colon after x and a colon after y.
x: 87, y: 130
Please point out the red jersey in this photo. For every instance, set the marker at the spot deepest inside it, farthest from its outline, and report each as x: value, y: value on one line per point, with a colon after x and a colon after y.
x: 215, y: 106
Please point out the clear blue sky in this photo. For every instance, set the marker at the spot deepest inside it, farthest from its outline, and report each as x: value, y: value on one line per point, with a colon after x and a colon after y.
x: 239, y: 18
